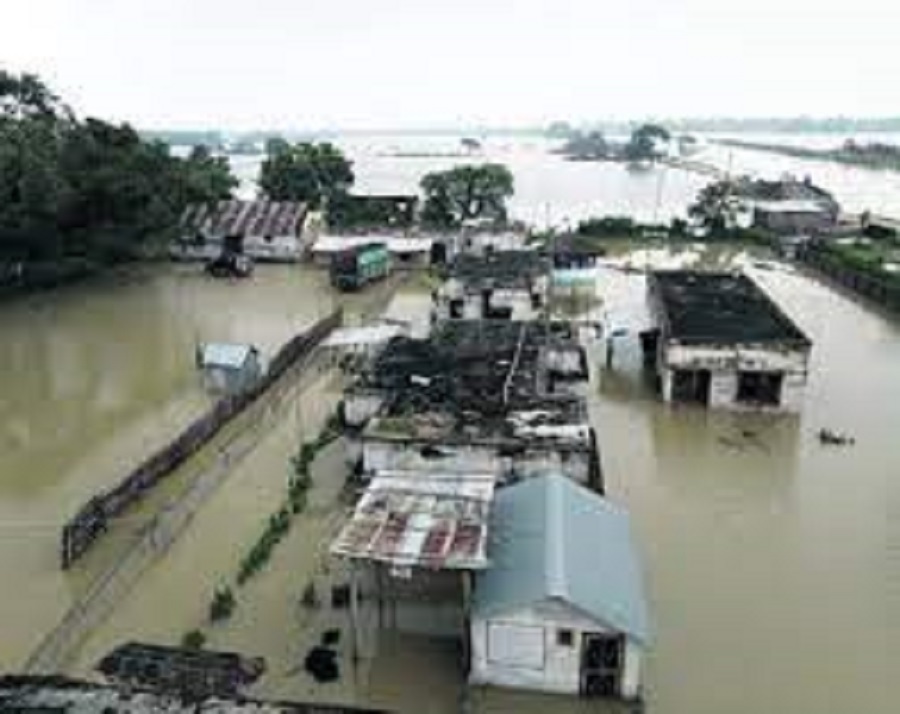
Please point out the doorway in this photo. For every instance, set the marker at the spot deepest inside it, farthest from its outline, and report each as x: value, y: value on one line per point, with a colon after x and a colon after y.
x: 602, y: 660
x: 691, y: 385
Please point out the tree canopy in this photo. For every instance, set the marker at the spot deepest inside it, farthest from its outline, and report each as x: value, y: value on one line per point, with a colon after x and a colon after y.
x: 466, y: 192
x: 643, y: 143
x: 88, y: 188
x: 308, y: 172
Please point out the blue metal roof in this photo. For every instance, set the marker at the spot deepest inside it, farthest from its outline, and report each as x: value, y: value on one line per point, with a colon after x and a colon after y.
x: 551, y: 538
x: 222, y: 354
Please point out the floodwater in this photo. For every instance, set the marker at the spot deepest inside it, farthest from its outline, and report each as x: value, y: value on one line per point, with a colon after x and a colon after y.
x: 93, y: 378
x: 552, y: 191
x: 771, y: 561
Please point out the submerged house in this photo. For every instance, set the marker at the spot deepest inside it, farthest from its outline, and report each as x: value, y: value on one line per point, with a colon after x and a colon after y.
x: 228, y: 368
x: 721, y: 341
x: 476, y: 397
x: 794, y: 217
x: 277, y: 231
x: 511, y: 285
x: 561, y: 607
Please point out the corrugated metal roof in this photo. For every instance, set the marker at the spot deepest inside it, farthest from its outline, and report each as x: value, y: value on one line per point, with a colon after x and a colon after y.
x: 437, y: 521
x: 256, y: 218
x: 223, y: 354
x: 551, y: 538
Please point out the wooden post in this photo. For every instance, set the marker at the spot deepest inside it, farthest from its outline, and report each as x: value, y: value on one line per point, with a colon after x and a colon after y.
x: 354, y: 613
x: 609, y: 351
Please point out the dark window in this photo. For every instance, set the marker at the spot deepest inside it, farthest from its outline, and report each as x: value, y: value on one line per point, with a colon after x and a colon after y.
x: 268, y: 239
x: 565, y: 638
x: 457, y: 308
x: 759, y: 387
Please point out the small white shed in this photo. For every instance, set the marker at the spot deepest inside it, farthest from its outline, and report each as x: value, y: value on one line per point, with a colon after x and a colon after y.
x: 228, y: 368
x: 561, y: 607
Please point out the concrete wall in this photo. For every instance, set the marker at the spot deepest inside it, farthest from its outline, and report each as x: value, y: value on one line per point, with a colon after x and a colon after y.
x: 726, y: 362
x: 282, y: 249
x: 382, y: 455
x: 559, y: 669
x: 360, y: 406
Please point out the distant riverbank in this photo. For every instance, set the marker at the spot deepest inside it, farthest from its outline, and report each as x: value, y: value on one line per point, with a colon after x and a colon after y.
x: 881, y: 157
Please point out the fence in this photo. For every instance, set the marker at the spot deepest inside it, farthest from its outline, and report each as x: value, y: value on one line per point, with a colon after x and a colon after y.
x: 92, y: 519
x: 155, y: 537
x: 880, y: 291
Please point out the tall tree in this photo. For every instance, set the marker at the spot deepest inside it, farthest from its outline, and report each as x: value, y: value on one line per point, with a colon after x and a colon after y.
x: 88, y: 188
x: 466, y: 192
x: 644, y: 141
x: 306, y: 172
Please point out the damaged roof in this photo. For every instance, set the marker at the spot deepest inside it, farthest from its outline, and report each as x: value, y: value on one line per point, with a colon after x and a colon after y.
x: 508, y: 269
x: 720, y: 308
x: 436, y: 521
x: 240, y: 218
x: 481, y: 380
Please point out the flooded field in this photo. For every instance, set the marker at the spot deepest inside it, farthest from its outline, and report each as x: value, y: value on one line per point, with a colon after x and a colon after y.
x: 92, y: 379
x: 772, y: 562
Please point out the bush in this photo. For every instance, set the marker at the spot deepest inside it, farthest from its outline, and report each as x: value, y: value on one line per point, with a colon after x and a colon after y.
x: 193, y: 640
x: 222, y: 604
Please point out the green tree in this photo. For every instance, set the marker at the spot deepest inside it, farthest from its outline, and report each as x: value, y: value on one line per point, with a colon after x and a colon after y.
x: 715, y: 207
x: 88, y: 188
x: 644, y: 140
x: 306, y: 172
x: 466, y: 192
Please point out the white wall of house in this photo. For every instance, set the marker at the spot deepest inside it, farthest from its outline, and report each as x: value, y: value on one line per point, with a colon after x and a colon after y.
x: 726, y: 362
x: 521, y: 650
x: 360, y: 406
x: 384, y: 455
x: 279, y: 249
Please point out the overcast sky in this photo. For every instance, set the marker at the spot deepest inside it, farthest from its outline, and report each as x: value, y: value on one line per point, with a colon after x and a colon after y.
x: 412, y: 63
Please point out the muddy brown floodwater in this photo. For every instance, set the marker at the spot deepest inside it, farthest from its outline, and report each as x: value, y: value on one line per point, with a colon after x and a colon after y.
x: 772, y: 562
x: 92, y: 379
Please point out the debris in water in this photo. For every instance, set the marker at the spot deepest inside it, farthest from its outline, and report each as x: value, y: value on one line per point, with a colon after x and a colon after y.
x: 321, y: 663
x: 827, y: 437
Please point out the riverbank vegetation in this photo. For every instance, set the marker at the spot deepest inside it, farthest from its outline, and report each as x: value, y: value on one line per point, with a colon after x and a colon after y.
x: 79, y: 194
x: 873, y: 155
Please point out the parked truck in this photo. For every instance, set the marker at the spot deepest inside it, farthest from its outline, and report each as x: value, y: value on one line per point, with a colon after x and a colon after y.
x: 360, y: 265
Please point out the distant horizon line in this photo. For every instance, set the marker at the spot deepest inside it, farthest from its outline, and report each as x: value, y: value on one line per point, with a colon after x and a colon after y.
x: 777, y: 124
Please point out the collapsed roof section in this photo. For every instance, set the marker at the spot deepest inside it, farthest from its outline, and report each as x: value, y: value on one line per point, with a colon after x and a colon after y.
x: 500, y: 270
x: 475, y: 380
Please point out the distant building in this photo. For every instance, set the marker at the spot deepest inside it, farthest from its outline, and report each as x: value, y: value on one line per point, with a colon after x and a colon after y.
x: 561, y: 607
x: 228, y: 368
x: 794, y: 217
x: 511, y: 285
x: 485, y: 397
x: 721, y: 341
x: 277, y: 231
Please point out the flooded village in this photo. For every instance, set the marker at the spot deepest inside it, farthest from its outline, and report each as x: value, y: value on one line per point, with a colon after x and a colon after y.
x: 490, y: 468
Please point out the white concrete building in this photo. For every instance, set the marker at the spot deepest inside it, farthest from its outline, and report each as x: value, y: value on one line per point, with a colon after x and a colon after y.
x: 561, y: 607
x: 722, y: 342
x: 274, y: 231
x: 510, y: 285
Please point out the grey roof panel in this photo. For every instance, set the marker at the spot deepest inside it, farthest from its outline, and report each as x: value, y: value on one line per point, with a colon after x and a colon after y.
x: 552, y: 538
